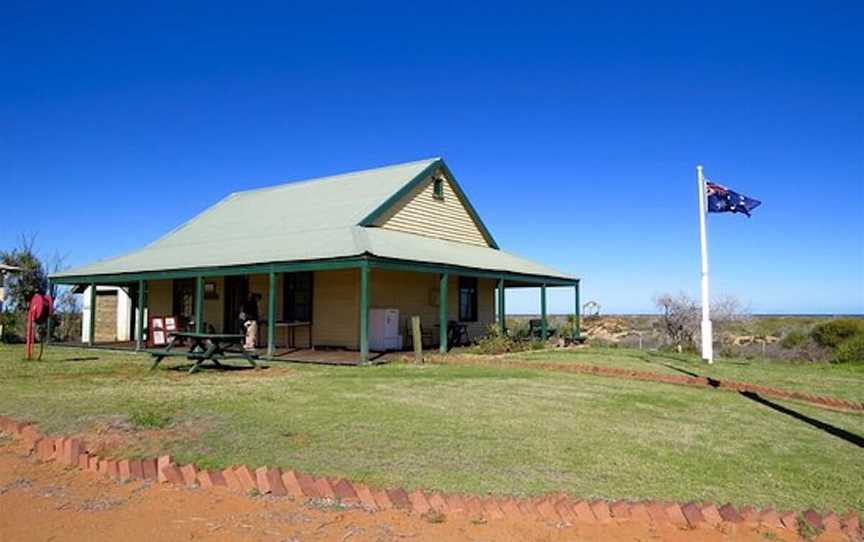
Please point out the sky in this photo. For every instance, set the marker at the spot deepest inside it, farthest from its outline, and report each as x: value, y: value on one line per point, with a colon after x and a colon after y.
x: 575, y: 129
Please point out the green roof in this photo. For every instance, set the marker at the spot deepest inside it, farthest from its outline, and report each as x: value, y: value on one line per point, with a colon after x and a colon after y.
x: 308, y: 220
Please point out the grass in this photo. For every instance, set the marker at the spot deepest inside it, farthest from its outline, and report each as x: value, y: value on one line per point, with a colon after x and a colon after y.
x: 459, y: 428
x: 845, y: 381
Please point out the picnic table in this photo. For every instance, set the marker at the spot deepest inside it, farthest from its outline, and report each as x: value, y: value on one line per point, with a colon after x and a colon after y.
x: 205, y: 347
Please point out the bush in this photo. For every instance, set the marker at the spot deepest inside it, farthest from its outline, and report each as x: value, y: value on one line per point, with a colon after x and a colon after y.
x: 14, y: 326
x: 834, y: 332
x: 494, y: 342
x: 851, y: 350
x: 793, y: 339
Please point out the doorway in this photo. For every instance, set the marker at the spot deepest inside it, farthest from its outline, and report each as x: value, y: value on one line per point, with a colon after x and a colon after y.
x: 236, y: 292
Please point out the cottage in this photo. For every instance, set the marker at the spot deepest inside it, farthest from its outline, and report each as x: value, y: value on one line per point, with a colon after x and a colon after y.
x: 325, y: 254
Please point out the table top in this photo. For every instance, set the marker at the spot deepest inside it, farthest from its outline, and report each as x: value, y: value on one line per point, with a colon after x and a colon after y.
x: 293, y: 324
x: 215, y: 336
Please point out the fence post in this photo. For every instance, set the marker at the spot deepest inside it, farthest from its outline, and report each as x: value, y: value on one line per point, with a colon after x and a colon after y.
x: 417, y: 339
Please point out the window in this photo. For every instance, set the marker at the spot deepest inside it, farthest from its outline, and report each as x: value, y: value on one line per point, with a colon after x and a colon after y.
x: 184, y: 298
x: 438, y: 188
x: 467, y: 299
x: 297, y: 306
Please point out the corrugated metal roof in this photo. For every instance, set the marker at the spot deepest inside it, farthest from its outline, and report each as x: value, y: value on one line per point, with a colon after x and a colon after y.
x: 305, y: 220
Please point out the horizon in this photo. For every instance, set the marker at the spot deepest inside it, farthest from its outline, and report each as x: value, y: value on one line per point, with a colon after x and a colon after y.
x: 576, y: 141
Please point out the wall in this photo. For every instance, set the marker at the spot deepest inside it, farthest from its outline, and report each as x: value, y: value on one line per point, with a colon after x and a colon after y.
x: 336, y: 302
x: 416, y: 294
x: 421, y: 213
x: 159, y: 298
x: 336, y: 308
x: 214, y: 308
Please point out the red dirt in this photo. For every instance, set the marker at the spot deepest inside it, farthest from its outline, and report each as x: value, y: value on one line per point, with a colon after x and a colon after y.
x: 47, y: 501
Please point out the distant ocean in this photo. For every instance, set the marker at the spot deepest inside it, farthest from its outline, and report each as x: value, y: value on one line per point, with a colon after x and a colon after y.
x: 766, y: 315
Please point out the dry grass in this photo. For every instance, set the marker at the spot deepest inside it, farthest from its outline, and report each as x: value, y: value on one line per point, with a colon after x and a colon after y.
x: 471, y: 429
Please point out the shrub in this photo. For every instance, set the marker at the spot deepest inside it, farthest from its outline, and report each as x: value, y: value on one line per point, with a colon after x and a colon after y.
x: 851, y: 350
x: 793, y: 339
x: 14, y: 324
x: 495, y: 342
x: 832, y: 333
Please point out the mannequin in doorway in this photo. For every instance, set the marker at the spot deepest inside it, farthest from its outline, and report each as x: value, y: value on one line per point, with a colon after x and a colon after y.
x: 249, y: 317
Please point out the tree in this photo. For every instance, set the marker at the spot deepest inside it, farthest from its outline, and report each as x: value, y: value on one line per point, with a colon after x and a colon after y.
x: 682, y: 316
x: 32, y: 278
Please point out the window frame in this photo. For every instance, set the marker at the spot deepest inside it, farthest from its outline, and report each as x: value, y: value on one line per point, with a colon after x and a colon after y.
x: 289, y: 302
x: 180, y: 289
x: 468, y: 286
x: 438, y: 188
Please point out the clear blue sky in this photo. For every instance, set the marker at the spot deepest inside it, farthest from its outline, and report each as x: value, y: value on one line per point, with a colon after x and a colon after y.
x: 574, y: 128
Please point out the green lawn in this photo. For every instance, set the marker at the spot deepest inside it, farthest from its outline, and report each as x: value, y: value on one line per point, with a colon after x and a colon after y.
x: 457, y: 428
x: 844, y: 381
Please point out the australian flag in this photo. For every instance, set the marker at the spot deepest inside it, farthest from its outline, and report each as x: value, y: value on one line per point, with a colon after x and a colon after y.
x: 723, y: 200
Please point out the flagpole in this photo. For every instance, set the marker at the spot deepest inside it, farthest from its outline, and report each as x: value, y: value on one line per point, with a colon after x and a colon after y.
x: 707, y: 335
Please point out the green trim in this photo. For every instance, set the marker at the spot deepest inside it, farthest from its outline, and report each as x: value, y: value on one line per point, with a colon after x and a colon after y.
x: 315, y: 265
x: 376, y: 213
x: 442, y: 312
x: 577, y: 329
x: 364, y: 313
x: 544, y: 326
x: 422, y: 267
x: 199, y: 304
x: 388, y: 204
x: 91, y: 325
x: 502, y: 314
x: 271, y: 315
x: 471, y: 211
x: 216, y: 271
x: 139, y: 316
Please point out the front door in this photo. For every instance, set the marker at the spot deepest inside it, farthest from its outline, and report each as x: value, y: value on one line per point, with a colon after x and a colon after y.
x: 236, y: 292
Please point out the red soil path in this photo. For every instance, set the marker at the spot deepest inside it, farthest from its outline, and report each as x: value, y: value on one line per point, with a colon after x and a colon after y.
x: 50, y: 501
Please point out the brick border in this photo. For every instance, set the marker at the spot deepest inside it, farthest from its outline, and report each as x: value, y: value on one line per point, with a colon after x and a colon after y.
x: 553, y: 508
x: 823, y: 401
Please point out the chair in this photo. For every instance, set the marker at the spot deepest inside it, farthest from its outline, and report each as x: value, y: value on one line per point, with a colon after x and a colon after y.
x: 535, y: 328
x: 457, y: 333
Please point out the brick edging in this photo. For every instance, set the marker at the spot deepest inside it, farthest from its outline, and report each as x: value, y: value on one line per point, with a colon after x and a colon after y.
x: 833, y: 403
x: 554, y: 508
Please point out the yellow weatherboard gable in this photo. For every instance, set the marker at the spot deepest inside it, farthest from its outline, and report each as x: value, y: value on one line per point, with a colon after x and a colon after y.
x: 441, y: 215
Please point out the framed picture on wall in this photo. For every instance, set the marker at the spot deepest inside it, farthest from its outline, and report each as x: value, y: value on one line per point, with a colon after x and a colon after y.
x: 210, y: 290
x: 170, y: 324
x: 158, y: 335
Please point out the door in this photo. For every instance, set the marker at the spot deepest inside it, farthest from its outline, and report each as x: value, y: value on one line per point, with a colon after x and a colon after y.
x: 236, y: 292
x: 183, y: 305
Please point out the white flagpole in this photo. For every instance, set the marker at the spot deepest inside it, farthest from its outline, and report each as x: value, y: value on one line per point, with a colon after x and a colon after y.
x: 707, y: 334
